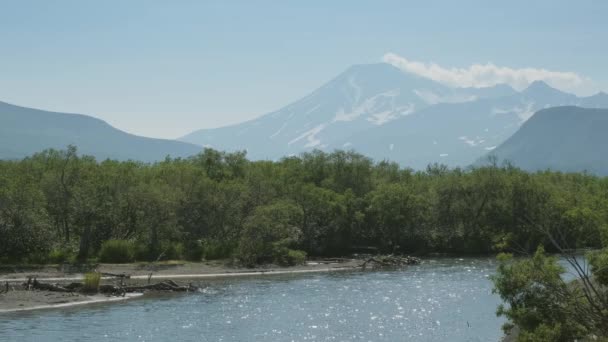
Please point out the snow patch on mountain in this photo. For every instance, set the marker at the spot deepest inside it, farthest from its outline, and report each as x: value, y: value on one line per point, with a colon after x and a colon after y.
x: 383, y: 117
x: 311, y: 110
x: 499, y: 111
x: 369, y: 106
x: 472, y: 141
x: 311, y: 137
x: 279, y: 130
x: 523, y: 111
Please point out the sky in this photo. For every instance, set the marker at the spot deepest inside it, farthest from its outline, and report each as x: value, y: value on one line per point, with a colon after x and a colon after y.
x: 166, y: 68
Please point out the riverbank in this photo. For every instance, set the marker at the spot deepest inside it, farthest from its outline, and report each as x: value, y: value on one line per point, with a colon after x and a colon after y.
x: 16, y: 299
x: 20, y: 300
x: 165, y: 270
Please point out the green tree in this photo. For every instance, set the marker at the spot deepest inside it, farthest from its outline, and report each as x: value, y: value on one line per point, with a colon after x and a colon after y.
x: 399, y: 215
x: 323, y: 220
x: 543, y: 305
x: 24, y: 224
x: 62, y: 175
x: 269, y: 232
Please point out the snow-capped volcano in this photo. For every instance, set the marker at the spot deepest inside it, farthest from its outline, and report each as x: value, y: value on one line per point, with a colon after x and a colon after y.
x: 383, y: 112
x: 361, y: 97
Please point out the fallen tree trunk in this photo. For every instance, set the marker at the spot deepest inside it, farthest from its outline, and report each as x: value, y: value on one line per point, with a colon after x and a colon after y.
x: 116, y: 275
x: 36, y: 285
x: 165, y: 286
x: 390, y: 261
x: 331, y: 260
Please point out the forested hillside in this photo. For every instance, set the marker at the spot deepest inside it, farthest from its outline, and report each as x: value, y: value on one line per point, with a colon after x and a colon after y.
x: 56, y: 206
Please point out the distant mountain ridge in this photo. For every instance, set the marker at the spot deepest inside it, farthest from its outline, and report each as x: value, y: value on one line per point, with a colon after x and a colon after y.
x: 385, y: 113
x: 24, y: 131
x: 569, y: 139
x: 375, y: 109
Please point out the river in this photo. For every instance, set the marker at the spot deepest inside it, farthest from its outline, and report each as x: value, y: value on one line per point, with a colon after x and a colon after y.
x: 440, y: 300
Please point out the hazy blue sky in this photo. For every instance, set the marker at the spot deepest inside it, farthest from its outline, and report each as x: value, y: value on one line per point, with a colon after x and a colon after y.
x: 165, y: 68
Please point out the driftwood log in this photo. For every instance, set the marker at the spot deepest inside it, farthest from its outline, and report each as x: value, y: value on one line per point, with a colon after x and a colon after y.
x: 167, y: 285
x: 390, y: 261
x: 116, y: 275
x: 330, y: 260
x: 34, y: 284
x: 163, y: 286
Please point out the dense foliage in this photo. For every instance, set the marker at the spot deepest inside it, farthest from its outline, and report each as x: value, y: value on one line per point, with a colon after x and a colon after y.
x: 218, y: 205
x: 544, y: 305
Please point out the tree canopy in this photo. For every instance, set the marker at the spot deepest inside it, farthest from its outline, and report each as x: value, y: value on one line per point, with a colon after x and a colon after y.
x: 324, y: 204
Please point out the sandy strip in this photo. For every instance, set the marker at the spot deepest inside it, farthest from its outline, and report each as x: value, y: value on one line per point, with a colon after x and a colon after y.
x: 242, y: 274
x: 35, y: 300
x: 195, y: 275
x: 89, y: 300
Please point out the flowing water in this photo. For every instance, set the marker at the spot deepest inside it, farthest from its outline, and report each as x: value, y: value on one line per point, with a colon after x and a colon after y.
x: 440, y: 300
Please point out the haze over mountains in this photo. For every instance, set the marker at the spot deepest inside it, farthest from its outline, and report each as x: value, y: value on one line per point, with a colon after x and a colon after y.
x: 376, y: 109
x: 24, y: 131
x: 384, y: 113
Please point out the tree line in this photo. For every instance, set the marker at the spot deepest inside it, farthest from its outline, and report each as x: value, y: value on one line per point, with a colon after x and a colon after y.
x: 59, y: 206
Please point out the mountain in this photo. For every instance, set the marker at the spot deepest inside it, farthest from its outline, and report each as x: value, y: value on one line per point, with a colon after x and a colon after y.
x: 599, y: 100
x: 541, y: 92
x: 450, y: 134
x: 569, y: 139
x: 359, y: 98
x: 362, y: 97
x: 457, y: 134
x: 24, y: 131
x: 385, y: 113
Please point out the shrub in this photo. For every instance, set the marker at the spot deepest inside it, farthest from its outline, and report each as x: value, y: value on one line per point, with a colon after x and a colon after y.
x: 60, y: 255
x: 141, y: 252
x: 289, y: 257
x: 539, y: 302
x: 35, y: 258
x: 296, y: 257
x: 172, y: 251
x: 91, y: 282
x: 116, y: 251
x: 269, y: 232
x: 599, y: 265
x: 214, y: 250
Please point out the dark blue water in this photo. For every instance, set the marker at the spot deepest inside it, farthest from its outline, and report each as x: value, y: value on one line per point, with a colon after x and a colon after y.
x: 440, y: 300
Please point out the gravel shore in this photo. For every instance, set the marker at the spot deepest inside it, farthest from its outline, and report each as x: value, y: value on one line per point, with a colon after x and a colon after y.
x: 17, y: 299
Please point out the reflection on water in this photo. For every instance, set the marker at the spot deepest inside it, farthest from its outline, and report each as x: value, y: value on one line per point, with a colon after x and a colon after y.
x: 440, y: 300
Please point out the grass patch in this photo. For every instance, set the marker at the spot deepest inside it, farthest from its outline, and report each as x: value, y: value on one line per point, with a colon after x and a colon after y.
x: 116, y: 251
x: 91, y: 282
